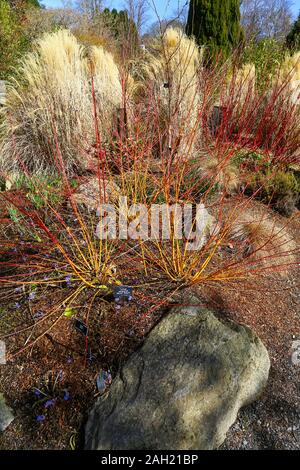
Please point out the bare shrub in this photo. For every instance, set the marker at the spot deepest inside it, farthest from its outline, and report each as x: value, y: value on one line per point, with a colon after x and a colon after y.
x: 51, y: 103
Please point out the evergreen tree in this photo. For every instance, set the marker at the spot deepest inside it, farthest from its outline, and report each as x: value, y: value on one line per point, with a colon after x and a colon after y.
x: 14, y: 40
x: 293, y: 38
x: 18, y: 4
x: 215, y: 24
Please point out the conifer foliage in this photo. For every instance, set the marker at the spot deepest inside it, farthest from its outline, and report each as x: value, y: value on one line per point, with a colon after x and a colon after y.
x: 215, y: 24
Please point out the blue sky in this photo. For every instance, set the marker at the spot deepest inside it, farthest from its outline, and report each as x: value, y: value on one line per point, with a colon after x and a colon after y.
x: 165, y: 8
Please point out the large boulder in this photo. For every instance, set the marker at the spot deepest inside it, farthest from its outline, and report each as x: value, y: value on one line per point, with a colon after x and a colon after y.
x: 183, y: 388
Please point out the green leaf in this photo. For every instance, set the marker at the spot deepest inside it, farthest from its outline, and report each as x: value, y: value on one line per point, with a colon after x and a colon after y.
x: 69, y: 312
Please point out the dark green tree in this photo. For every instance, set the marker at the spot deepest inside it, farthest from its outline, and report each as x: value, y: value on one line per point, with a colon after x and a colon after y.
x: 293, y: 38
x: 14, y: 40
x: 215, y: 24
x: 17, y: 4
x: 122, y: 27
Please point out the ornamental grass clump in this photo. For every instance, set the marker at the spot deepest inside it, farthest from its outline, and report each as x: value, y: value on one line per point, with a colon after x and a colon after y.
x: 50, y: 104
x: 263, y: 242
x: 290, y: 71
x: 171, y: 72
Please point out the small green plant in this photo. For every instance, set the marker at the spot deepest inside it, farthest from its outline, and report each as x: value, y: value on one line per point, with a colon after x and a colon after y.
x: 247, y: 157
x: 50, y: 393
x: 16, y: 217
x: 20, y: 223
x: 279, y: 185
x: 41, y: 191
x: 45, y: 191
x: 281, y: 189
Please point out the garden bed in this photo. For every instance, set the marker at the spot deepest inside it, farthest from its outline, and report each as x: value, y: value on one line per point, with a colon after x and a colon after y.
x: 268, y: 305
